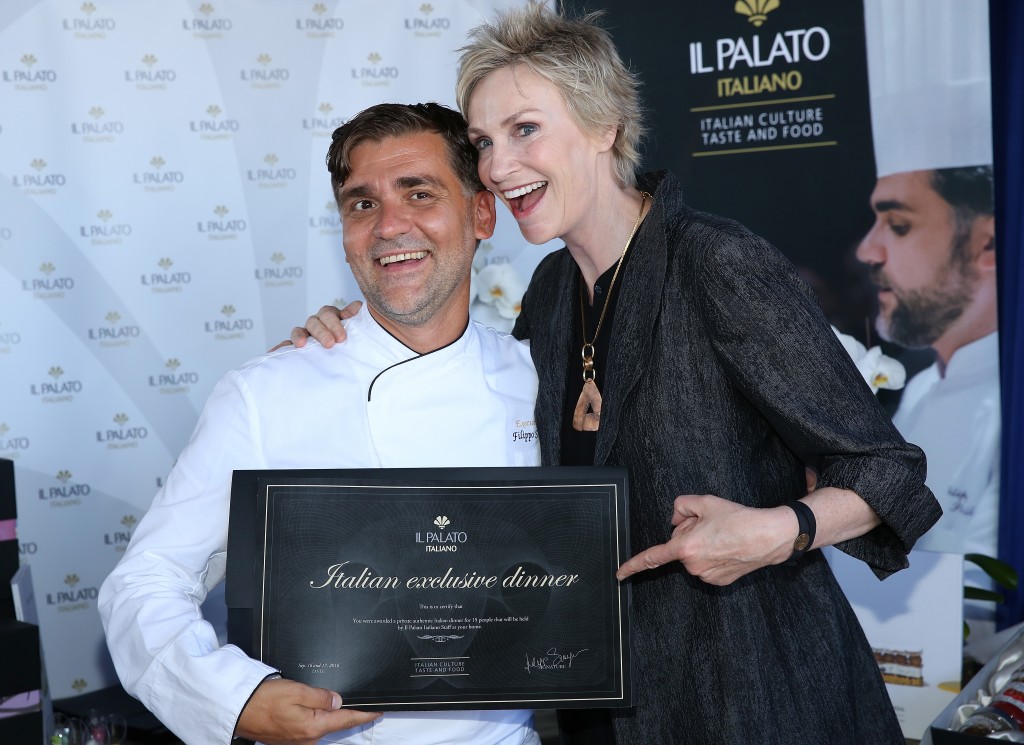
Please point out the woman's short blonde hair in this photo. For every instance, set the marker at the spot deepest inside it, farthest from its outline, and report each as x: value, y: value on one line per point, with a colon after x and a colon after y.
x: 578, y: 57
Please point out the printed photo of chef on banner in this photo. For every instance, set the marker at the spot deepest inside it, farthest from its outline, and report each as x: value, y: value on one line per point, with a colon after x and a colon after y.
x: 930, y: 256
x: 929, y: 260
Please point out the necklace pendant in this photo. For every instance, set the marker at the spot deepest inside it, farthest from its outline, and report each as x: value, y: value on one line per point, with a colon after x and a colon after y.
x: 587, y: 416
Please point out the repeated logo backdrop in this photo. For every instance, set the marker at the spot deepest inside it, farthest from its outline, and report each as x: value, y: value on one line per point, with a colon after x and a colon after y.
x: 165, y: 214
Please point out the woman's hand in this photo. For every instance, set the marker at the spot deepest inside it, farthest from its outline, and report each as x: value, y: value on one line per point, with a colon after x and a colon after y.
x: 325, y: 326
x: 720, y: 541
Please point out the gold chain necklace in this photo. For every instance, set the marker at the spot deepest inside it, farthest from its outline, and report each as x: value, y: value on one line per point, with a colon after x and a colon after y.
x: 587, y: 415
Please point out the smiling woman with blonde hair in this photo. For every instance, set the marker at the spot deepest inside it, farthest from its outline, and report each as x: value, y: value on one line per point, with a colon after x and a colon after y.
x: 685, y: 348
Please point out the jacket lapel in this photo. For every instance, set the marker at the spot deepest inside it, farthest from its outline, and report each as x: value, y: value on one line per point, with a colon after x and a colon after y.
x: 637, y: 308
x: 549, y: 353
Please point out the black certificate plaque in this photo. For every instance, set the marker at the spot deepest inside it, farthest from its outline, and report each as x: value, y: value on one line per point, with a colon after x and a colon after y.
x: 475, y: 588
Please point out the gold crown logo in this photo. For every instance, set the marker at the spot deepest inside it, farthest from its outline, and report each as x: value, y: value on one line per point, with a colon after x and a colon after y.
x: 88, y: 8
x: 165, y: 263
x: 319, y: 9
x: 442, y: 521
x: 79, y: 685
x: 157, y: 162
x: 172, y: 363
x: 55, y: 372
x: 213, y: 109
x: 325, y: 108
x: 270, y: 159
x: 129, y: 521
x: 113, y: 316
x: 373, y: 57
x: 149, y: 60
x: 228, y: 310
x: 63, y: 476
x: 426, y: 9
x: 120, y: 419
x: 38, y: 163
x: 220, y: 210
x: 47, y: 268
x: 206, y: 9
x: 105, y: 215
x: 756, y: 10
x: 28, y: 60
x: 96, y: 112
x: 277, y: 257
x: 264, y: 59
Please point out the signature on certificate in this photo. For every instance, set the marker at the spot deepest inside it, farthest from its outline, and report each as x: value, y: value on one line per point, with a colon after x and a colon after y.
x: 552, y: 660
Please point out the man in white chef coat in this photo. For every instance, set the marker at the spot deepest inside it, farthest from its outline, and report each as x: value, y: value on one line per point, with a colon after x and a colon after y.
x: 931, y: 254
x: 418, y: 384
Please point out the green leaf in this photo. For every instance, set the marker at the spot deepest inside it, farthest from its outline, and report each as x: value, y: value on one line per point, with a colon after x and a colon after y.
x: 976, y: 593
x: 1002, y: 573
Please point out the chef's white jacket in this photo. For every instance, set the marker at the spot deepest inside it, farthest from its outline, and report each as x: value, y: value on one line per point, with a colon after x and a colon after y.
x: 370, y: 402
x: 955, y: 419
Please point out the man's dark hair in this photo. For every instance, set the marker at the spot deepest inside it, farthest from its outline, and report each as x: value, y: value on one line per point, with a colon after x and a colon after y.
x: 968, y: 190
x: 385, y: 120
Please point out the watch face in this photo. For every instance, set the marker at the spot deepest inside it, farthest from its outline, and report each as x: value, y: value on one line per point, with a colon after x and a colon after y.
x: 801, y: 542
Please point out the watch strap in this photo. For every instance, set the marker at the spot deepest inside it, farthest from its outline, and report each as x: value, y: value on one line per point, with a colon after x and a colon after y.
x: 805, y: 536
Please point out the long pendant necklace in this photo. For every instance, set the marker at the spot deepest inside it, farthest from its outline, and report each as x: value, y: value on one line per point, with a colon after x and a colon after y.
x: 587, y: 415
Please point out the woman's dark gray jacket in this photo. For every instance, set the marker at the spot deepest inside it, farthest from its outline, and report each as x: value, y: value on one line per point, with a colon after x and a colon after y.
x: 724, y: 378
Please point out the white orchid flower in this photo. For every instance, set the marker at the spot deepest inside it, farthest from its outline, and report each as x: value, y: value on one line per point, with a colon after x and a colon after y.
x: 879, y: 370
x: 501, y: 286
x: 489, y: 316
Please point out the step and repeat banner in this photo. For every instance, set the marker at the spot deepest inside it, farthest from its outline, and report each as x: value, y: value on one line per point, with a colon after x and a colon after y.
x: 165, y: 215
